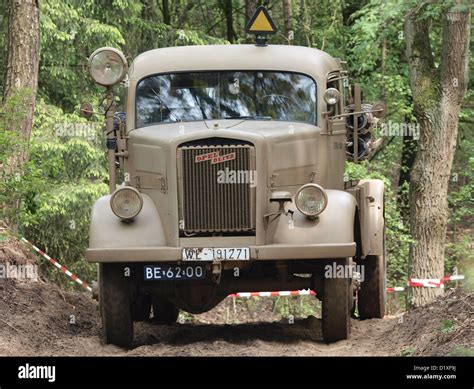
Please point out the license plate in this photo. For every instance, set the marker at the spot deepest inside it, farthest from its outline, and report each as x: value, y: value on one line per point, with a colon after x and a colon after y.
x: 173, y: 272
x: 215, y: 254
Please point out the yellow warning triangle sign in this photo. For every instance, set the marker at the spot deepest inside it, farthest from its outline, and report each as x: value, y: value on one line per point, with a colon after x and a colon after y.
x: 261, y: 23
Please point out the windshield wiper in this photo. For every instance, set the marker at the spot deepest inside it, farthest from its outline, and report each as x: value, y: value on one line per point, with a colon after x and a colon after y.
x: 249, y: 117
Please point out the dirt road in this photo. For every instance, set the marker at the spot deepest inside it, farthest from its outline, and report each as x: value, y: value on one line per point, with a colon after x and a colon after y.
x: 39, y: 318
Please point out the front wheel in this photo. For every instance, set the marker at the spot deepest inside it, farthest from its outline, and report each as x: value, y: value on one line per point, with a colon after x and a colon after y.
x: 115, y: 306
x: 371, y: 296
x: 337, y: 304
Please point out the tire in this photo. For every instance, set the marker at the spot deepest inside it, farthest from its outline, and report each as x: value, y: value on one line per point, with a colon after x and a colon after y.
x: 141, y: 307
x: 115, y: 306
x: 372, y: 294
x: 337, y: 304
x: 164, y: 311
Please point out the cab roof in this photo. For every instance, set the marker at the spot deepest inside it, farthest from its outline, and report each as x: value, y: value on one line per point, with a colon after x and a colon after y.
x: 313, y: 62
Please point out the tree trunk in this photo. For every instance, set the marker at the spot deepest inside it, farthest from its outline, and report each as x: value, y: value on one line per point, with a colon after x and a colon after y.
x: 288, y: 20
x: 226, y: 6
x: 165, y: 4
x: 437, y: 97
x: 19, y: 94
x: 250, y: 7
x: 21, y: 76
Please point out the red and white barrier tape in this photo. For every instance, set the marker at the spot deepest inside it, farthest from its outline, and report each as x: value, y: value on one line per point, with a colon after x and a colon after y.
x: 427, y: 283
x: 433, y: 283
x: 416, y: 282
x: 59, y: 266
x: 304, y: 292
x: 396, y: 289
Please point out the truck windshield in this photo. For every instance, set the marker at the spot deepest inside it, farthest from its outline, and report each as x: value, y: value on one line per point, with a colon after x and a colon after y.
x: 259, y: 95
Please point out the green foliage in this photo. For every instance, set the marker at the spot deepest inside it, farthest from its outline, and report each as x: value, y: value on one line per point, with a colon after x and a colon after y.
x: 71, y: 30
x: 12, y: 149
x: 447, y: 326
x: 466, y: 267
x: 70, y: 35
x: 460, y: 197
x: 376, y: 55
x: 295, y: 306
x: 408, y: 352
x: 461, y: 201
x: 185, y: 317
x: 64, y: 176
x: 59, y: 220
x: 458, y: 252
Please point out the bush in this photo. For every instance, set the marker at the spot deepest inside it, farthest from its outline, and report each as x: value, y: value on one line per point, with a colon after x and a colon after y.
x: 65, y: 175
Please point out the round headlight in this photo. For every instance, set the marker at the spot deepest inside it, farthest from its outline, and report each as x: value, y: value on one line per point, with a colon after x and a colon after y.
x: 107, y: 66
x: 126, y: 202
x: 311, y: 199
x: 331, y: 96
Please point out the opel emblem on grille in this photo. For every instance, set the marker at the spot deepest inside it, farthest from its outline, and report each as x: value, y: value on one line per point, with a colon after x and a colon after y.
x: 214, y: 157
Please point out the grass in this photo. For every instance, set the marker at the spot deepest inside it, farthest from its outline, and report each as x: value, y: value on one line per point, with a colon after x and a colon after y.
x: 447, y: 326
x: 408, y: 352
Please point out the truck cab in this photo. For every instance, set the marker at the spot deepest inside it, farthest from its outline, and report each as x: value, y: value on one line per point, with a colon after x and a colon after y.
x: 227, y: 176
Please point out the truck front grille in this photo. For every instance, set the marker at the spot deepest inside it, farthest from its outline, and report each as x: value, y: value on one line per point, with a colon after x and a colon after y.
x: 207, y: 203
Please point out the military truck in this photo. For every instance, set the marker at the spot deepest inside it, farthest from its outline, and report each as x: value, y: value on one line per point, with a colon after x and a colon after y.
x: 227, y: 175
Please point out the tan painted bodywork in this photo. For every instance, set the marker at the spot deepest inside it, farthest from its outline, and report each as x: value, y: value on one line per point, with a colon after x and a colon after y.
x: 143, y: 240
x: 370, y: 197
x: 288, y: 155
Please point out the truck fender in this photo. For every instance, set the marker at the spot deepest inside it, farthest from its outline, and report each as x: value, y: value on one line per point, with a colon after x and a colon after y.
x: 108, y: 231
x: 334, y: 225
x: 370, y: 198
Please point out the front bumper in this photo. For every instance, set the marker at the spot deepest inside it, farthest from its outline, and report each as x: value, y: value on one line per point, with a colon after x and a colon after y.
x: 260, y: 253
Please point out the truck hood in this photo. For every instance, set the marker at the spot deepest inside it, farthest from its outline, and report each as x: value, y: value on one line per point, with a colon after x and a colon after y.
x: 238, y: 129
x: 287, y: 151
